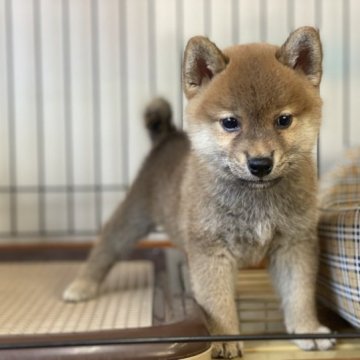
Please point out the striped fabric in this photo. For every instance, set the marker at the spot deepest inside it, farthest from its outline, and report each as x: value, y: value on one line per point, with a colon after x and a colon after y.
x: 339, y: 232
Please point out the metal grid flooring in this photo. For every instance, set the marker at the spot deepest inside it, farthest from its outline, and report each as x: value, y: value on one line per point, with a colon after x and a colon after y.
x: 31, y: 301
x: 258, y: 305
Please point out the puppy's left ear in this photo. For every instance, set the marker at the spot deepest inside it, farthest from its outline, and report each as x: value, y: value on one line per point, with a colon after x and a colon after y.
x: 302, y: 52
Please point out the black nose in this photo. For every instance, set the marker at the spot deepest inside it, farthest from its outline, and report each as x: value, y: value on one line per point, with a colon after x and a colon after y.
x: 260, y: 166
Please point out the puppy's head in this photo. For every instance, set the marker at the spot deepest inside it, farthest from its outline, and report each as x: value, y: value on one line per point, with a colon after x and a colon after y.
x: 254, y: 110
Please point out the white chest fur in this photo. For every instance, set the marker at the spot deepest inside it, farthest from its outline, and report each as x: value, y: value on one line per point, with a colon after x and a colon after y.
x: 264, y: 231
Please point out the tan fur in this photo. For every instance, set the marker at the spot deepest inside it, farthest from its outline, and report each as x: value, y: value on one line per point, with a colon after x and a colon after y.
x: 200, y: 189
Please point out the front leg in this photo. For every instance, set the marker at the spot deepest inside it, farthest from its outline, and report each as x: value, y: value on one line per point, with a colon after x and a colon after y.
x: 213, y: 281
x: 293, y: 266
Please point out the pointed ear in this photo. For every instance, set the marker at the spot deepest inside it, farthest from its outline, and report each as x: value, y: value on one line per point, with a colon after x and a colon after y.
x: 302, y: 52
x: 202, y: 61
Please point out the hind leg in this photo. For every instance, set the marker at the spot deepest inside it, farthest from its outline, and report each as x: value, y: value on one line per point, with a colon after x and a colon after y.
x: 128, y: 224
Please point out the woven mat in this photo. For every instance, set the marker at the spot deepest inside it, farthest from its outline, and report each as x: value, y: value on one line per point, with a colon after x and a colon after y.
x: 258, y: 305
x: 30, y: 299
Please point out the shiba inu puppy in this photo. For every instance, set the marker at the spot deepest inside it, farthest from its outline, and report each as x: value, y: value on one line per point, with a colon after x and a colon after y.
x: 239, y: 186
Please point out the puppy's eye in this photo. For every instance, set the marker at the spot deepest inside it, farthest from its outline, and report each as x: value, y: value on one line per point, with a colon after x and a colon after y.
x: 284, y: 121
x: 230, y: 124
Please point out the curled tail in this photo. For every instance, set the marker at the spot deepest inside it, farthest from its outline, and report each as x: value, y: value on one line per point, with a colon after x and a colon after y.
x: 158, y: 120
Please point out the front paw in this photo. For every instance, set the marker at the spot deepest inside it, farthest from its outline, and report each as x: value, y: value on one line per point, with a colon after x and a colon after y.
x: 228, y: 350
x: 80, y: 290
x: 318, y: 344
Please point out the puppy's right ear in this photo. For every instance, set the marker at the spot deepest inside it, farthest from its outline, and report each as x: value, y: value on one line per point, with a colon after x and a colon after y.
x: 202, y: 61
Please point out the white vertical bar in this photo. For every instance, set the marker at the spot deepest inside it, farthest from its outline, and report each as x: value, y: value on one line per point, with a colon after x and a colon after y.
x: 25, y: 85
x: 263, y: 16
x: 68, y: 111
x: 152, y: 58
x: 12, y: 163
x: 53, y: 93
x: 4, y: 102
x: 5, y: 220
x: 277, y: 24
x: 123, y: 20
x: 290, y: 9
x: 167, y: 60
x: 39, y: 99
x: 304, y: 13
x: 194, y: 19
x: 331, y: 144
x: 110, y: 99
x: 138, y: 81
x: 346, y: 72
x: 235, y: 21
x: 207, y: 8
x: 28, y: 213
x: 221, y: 24
x: 82, y: 97
x: 249, y: 21
x: 318, y: 13
x: 85, y: 220
x: 354, y: 72
x: 193, y: 23
x: 96, y: 107
x: 180, y: 46
x: 56, y: 211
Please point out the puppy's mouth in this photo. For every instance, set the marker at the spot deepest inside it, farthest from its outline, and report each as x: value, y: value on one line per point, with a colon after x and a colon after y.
x: 260, y: 184
x: 256, y: 184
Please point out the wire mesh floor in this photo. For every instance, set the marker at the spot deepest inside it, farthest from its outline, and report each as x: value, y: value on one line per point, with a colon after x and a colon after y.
x: 258, y: 305
x: 259, y: 312
x: 31, y: 299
